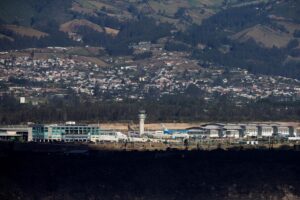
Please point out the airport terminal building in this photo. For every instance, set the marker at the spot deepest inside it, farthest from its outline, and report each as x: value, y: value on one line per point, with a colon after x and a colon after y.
x: 65, y: 132
x: 72, y: 132
x: 17, y: 133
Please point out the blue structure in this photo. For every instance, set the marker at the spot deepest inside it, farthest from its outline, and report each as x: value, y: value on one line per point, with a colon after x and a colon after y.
x: 173, y: 131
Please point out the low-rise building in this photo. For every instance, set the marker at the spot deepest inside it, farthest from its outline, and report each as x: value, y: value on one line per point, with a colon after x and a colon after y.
x: 266, y: 130
x: 214, y: 130
x: 232, y: 131
x: 197, y: 133
x: 65, y: 132
x: 284, y: 131
x: 15, y: 134
x: 250, y: 130
x: 70, y: 132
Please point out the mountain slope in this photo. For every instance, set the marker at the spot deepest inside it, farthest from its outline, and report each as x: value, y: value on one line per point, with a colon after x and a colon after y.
x: 24, y: 31
x: 264, y: 36
x: 259, y: 35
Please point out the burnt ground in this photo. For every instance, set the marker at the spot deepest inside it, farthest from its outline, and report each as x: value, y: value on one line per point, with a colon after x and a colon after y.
x: 251, y: 174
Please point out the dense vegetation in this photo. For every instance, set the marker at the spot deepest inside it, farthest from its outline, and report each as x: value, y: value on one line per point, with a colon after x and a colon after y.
x: 144, y: 29
x: 35, y: 13
x: 169, y: 108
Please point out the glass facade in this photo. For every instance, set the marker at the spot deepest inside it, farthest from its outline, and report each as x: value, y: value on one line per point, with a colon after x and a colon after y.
x: 66, y: 133
x: 39, y: 133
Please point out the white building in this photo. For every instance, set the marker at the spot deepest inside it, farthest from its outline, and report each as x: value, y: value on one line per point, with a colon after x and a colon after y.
x: 283, y: 131
x: 142, y: 117
x: 250, y: 131
x: 232, y: 131
x: 214, y: 130
x: 297, y: 131
x: 22, y: 100
x: 266, y: 131
x: 109, y: 136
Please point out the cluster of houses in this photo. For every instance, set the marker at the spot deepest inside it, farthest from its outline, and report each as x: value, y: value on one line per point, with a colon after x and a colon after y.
x: 163, y: 73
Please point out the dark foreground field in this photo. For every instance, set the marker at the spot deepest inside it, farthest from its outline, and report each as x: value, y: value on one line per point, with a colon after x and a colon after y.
x: 254, y: 174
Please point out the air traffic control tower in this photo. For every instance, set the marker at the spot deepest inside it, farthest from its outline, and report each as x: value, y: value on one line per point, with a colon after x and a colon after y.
x: 142, y: 117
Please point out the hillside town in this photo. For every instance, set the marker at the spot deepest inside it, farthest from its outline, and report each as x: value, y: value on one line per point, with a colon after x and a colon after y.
x: 161, y: 73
